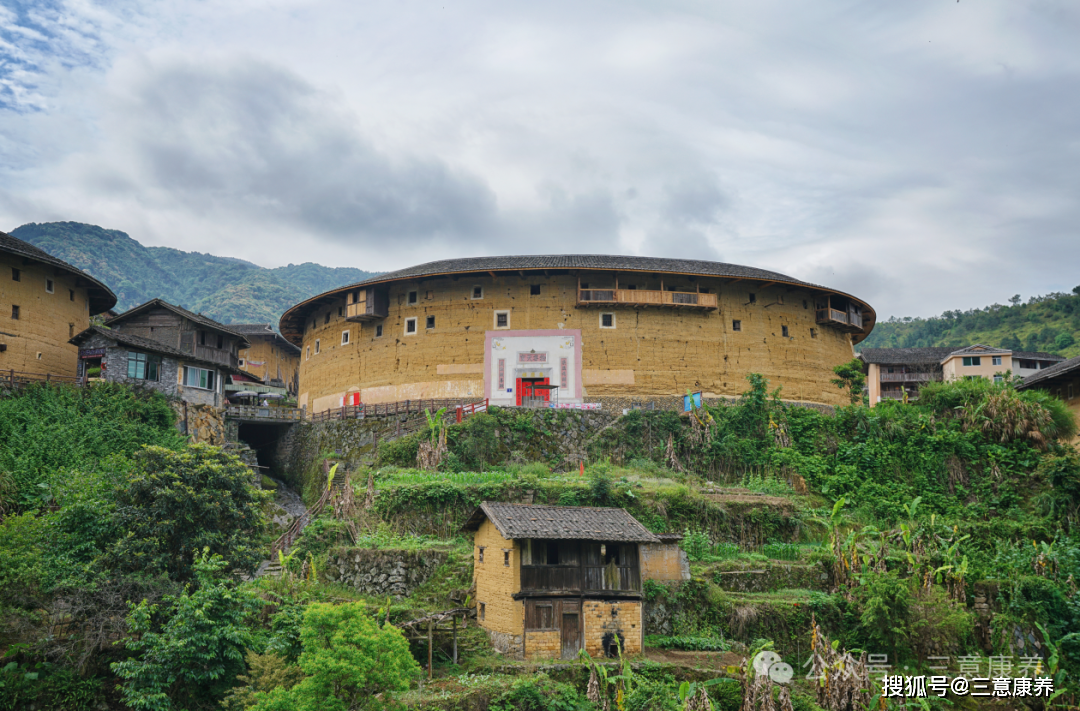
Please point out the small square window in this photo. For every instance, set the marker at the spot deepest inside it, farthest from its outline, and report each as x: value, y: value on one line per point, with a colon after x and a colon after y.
x: 996, y: 360
x: 327, y: 320
x: 345, y: 338
x: 502, y: 319
x: 534, y: 290
x: 753, y: 298
x: 972, y: 360
x: 430, y: 323
x: 429, y: 295
x: 49, y: 286
x: 15, y: 312
x: 506, y: 557
x: 736, y: 325
x: 241, y: 362
x: 480, y: 557
x: 784, y: 331
x: 478, y: 292
x: 607, y: 320
x: 378, y: 330
x: 71, y: 294
x: 413, y: 297
x: 813, y: 333
x: 318, y: 345
x: 410, y: 326
x: 16, y: 274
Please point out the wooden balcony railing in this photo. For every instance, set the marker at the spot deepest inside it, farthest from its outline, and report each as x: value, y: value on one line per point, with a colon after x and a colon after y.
x: 840, y: 319
x: 14, y: 378
x: 573, y: 578
x: 257, y: 412
x: 215, y: 355
x: 646, y: 298
x: 364, y: 311
x: 909, y: 377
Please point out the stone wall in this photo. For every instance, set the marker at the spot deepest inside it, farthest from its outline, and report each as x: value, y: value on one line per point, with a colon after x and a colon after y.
x: 650, y: 352
x: 203, y: 423
x: 600, y: 621
x: 757, y: 578
x: 37, y: 342
x: 506, y: 643
x: 382, y: 572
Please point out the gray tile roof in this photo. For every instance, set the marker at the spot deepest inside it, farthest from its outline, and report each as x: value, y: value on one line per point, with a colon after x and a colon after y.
x: 101, y: 296
x: 932, y: 355
x: 516, y: 521
x: 1037, y: 355
x: 197, y: 318
x: 979, y: 349
x: 143, y: 344
x: 263, y: 330
x: 1065, y: 367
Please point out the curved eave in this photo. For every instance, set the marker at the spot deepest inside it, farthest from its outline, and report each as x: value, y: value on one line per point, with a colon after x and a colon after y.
x: 100, y: 297
x: 292, y: 321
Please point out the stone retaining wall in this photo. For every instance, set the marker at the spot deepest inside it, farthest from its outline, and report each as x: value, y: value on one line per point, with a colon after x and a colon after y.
x: 383, y: 572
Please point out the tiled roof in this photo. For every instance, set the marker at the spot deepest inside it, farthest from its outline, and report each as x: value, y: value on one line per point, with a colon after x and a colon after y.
x: 905, y: 356
x: 1065, y: 367
x: 979, y: 349
x: 197, y: 318
x: 516, y: 521
x: 1037, y: 355
x: 263, y: 330
x: 143, y: 344
x: 101, y: 296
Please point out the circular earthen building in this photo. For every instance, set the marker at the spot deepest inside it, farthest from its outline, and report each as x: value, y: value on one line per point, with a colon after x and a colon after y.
x: 571, y: 329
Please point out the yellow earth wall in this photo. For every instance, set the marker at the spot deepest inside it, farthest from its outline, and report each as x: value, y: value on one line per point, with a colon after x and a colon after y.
x: 599, y: 621
x: 275, y: 360
x: 650, y: 351
x: 664, y: 561
x: 37, y: 342
x: 497, y: 582
x: 543, y: 644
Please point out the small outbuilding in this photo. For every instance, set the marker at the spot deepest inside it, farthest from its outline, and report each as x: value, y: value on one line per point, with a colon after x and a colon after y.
x: 552, y: 580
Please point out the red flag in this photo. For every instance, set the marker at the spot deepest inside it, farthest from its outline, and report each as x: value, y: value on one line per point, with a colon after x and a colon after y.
x: 582, y: 473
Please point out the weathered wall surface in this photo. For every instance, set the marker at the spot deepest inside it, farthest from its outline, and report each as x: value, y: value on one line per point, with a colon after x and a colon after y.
x: 203, y: 423
x: 649, y: 352
x: 767, y: 578
x: 497, y: 579
x: 543, y: 644
x: 664, y: 561
x: 600, y: 621
x: 37, y: 342
x: 383, y: 572
x: 270, y: 360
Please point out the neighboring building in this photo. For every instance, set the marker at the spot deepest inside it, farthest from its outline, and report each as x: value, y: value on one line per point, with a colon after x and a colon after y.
x: 44, y: 302
x: 270, y: 356
x: 1061, y: 380
x: 120, y: 357
x: 893, y: 373
x: 594, y: 326
x: 666, y: 560
x: 551, y: 580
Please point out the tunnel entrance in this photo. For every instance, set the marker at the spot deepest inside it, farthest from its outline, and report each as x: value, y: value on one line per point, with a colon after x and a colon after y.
x: 264, y: 438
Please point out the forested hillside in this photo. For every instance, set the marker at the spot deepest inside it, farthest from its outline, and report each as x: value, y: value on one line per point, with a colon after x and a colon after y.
x: 227, y: 289
x: 1045, y: 323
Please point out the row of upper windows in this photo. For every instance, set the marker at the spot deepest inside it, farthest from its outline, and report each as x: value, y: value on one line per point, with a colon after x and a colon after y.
x: 50, y: 285
x: 977, y: 360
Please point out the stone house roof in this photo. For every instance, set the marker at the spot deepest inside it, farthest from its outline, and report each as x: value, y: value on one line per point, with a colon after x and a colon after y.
x: 101, y: 296
x: 265, y: 330
x: 1065, y: 367
x: 516, y: 521
x: 148, y: 345
x: 180, y: 311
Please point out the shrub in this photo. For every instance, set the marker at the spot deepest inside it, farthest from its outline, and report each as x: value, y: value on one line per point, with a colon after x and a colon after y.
x: 696, y: 544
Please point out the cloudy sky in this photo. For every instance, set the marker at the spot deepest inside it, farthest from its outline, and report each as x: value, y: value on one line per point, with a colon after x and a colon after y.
x: 924, y: 155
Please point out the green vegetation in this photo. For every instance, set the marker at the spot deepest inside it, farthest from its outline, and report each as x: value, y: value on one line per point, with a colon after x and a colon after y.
x: 1045, y: 323
x: 223, y: 288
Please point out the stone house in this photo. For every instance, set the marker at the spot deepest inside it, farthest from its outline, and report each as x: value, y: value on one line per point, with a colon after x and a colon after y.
x: 552, y: 580
x: 119, y: 357
x: 274, y: 359
x: 44, y: 301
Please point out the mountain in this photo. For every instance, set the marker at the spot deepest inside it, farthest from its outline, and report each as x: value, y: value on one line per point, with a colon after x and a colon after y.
x: 224, y: 288
x: 1045, y: 323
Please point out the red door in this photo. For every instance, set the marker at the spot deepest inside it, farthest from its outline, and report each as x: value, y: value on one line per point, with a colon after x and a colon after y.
x: 525, y: 389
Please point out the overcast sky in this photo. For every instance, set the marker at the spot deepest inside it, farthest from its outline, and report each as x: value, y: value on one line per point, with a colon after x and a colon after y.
x: 923, y: 155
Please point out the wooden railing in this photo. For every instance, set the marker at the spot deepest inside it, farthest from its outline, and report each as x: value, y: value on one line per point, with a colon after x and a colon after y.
x: 573, y: 578
x: 644, y: 297
x: 403, y: 407
x: 215, y: 355
x: 909, y: 377
x: 16, y: 378
x: 258, y: 412
x: 842, y: 319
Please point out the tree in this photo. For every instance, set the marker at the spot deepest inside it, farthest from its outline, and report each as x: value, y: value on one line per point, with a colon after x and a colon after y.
x: 178, y: 503
x: 1063, y: 340
x: 348, y: 660
x: 1015, y: 300
x: 849, y: 376
x: 190, y: 660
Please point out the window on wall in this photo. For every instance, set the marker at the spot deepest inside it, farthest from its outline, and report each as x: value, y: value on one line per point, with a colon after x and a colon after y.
x: 805, y: 305
x: 412, y: 297
x: 998, y: 378
x: 813, y: 333
x: 345, y: 338
x: 995, y: 360
x: 410, y: 326
x: 972, y: 360
x: 142, y: 366
x: 736, y: 325
x: 318, y: 345
x: 430, y: 295
x: 502, y: 319
x: 16, y: 274
x: 534, y: 290
x: 71, y: 330
x: 430, y: 322
x: 50, y: 286
x: 784, y: 331
x: 199, y: 378
x: 506, y: 557
x: 220, y: 341
x: 71, y: 294
x: 378, y: 330
x: 753, y: 298
x: 15, y: 312
x: 483, y: 610
x: 478, y: 292
x: 307, y: 354
x: 202, y: 338
x: 327, y: 319
x: 481, y: 555
x: 607, y: 320
x: 241, y: 362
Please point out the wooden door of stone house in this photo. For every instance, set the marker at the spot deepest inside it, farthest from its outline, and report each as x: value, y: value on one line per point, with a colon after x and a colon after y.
x: 570, y: 635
